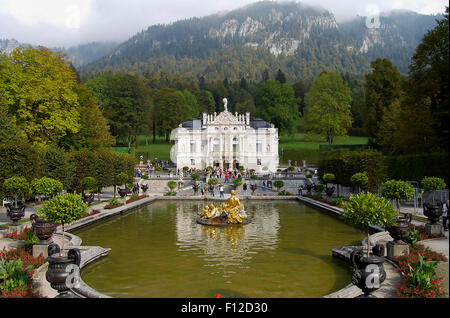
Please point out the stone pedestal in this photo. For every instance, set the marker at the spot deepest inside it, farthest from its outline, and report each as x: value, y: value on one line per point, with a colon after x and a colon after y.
x: 15, y: 228
x: 39, y: 249
x: 433, y: 228
x: 396, y: 249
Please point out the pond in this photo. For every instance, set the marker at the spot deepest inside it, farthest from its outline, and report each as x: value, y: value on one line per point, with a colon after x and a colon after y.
x: 158, y: 250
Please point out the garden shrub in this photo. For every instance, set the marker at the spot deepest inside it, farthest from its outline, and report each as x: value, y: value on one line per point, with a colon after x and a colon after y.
x: 56, y: 165
x: 416, y: 167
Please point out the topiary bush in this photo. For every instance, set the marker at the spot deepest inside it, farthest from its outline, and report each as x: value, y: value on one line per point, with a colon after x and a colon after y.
x: 237, y: 182
x: 16, y: 187
x: 367, y: 209
x: 360, y: 180
x: 328, y: 177
x: 213, y: 181
x: 432, y: 183
x: 397, y: 190
x: 195, y: 176
x: 63, y: 209
x: 46, y: 186
x: 172, y: 185
x: 278, y: 184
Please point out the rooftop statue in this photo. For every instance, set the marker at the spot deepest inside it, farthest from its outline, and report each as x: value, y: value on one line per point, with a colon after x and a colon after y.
x: 230, y: 212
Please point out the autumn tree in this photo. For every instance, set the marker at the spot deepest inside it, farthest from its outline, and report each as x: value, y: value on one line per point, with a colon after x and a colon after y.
x: 39, y: 89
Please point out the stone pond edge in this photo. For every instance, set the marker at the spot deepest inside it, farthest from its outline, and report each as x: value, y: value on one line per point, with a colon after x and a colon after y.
x: 92, y: 253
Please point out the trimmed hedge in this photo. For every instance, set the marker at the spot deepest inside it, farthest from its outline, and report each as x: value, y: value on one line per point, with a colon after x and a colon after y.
x: 416, y: 167
x: 344, y: 164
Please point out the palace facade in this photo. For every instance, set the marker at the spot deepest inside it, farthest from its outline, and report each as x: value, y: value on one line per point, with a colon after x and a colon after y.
x: 227, y: 141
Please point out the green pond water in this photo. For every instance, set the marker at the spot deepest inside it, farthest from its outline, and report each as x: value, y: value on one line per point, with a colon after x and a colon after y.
x: 159, y: 250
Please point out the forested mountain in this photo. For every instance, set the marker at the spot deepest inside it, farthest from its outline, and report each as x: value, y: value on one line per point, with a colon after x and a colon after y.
x: 79, y: 55
x: 86, y: 53
x: 300, y: 40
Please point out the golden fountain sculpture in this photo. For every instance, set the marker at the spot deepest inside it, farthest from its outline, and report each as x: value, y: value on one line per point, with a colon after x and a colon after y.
x: 231, y: 212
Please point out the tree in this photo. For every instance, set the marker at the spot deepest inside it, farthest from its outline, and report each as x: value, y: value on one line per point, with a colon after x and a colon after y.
x: 382, y: 89
x: 275, y: 103
x: 9, y: 131
x: 63, y: 209
x: 426, y: 108
x: 191, y: 100
x: 280, y: 77
x: 39, y: 86
x: 300, y: 90
x: 94, y: 132
x: 327, y: 111
x: 205, y: 100
x: 172, y: 110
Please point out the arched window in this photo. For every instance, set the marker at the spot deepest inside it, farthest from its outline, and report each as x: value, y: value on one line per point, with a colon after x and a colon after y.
x: 216, y: 145
x: 235, y: 145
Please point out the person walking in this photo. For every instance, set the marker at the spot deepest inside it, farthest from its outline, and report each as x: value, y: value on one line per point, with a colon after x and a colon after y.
x: 227, y: 175
x: 222, y: 191
x: 211, y: 189
x: 244, y: 189
x: 445, y: 216
x: 264, y: 185
x: 202, y: 189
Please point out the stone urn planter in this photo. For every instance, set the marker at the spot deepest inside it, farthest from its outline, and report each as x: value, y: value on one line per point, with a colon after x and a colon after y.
x: 88, y: 198
x: 144, y: 188
x: 432, y: 212
x: 122, y: 192
x: 253, y: 187
x: 367, y: 272
x: 15, y: 213
x: 43, y: 229
x: 399, y: 231
x: 64, y: 271
x: 329, y: 191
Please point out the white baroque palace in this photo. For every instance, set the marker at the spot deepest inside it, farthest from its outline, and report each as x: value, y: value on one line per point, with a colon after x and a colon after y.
x: 225, y: 140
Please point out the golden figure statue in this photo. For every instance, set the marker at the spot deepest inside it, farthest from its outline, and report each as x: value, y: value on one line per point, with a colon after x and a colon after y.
x: 233, y: 208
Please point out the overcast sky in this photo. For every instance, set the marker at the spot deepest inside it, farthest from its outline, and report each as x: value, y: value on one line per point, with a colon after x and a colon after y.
x: 72, y: 22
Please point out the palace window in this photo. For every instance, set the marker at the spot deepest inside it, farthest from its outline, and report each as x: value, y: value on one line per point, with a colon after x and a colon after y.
x: 235, y: 145
x: 192, y: 162
x: 258, y: 146
x: 192, y: 146
x: 258, y: 162
x: 216, y: 145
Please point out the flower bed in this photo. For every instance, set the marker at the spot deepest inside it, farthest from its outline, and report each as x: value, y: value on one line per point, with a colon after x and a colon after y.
x: 423, y: 235
x: 18, y: 236
x: 16, y: 281
x: 95, y: 211
x: 420, y: 279
x: 110, y: 206
x: 338, y: 202
x: 139, y: 198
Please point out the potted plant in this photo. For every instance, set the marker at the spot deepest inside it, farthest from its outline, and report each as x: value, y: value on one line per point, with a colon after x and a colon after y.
x: 45, y: 187
x: 88, y: 184
x: 360, y: 181
x: 237, y: 183
x: 397, y: 190
x: 329, y: 178
x: 195, y: 176
x: 278, y: 184
x: 432, y: 209
x: 172, y: 185
x: 122, y: 178
x: 363, y: 210
x: 62, y: 209
x: 16, y: 187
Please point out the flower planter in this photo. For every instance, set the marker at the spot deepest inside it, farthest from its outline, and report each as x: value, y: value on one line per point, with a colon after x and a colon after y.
x: 122, y: 192
x: 88, y: 198
x: 144, y: 188
x: 329, y: 191
x: 432, y: 212
x: 367, y: 272
x: 399, y: 231
x: 15, y: 213
x: 43, y: 229
x: 58, y: 272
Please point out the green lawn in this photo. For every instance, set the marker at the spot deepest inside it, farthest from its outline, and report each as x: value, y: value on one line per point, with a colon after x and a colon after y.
x: 297, y: 147
x: 303, y: 147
